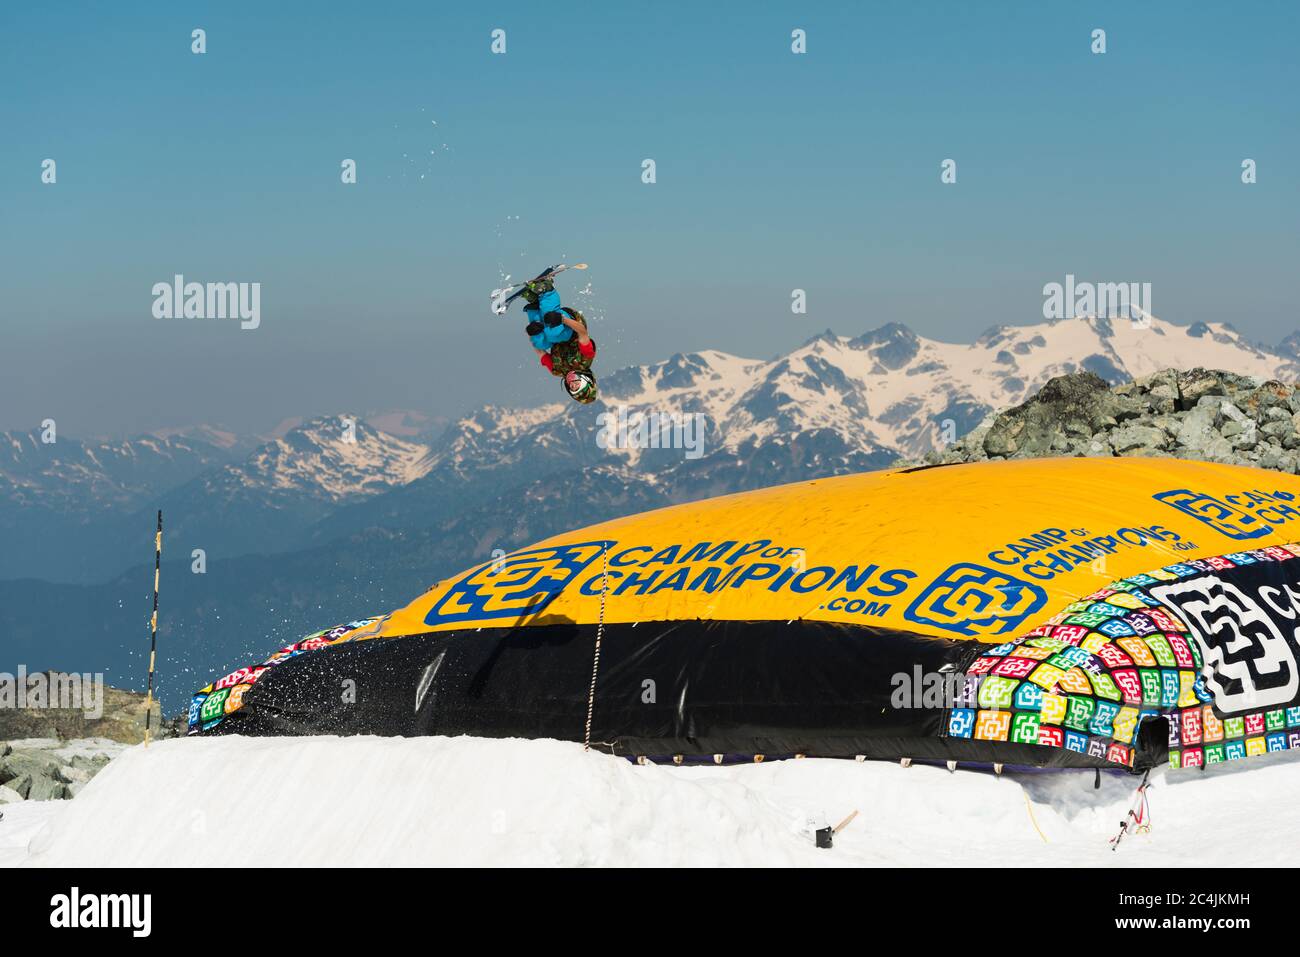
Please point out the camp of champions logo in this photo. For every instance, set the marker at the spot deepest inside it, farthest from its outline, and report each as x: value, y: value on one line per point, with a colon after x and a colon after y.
x: 975, y: 601
x: 1242, y: 515
x: 1056, y: 551
x: 1249, y: 662
x: 520, y: 584
x: 710, y: 567
x: 526, y: 582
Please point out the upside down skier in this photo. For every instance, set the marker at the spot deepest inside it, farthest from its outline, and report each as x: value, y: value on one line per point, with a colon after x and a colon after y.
x: 559, y: 335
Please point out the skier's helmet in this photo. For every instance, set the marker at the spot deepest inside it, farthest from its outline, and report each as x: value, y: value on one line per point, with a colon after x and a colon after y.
x: 581, y: 386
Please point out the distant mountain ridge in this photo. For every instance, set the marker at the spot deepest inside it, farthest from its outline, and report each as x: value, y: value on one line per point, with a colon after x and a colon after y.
x: 77, y: 476
x: 835, y: 404
x: 75, y: 511
x: 78, y: 511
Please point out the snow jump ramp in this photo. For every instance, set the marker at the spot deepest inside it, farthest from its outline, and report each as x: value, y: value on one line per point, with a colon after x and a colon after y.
x: 233, y: 802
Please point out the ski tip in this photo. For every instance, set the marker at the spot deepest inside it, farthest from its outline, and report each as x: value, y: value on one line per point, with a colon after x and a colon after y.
x: 578, y: 266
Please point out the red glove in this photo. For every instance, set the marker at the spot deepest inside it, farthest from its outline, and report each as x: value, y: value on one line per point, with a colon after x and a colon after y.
x: 588, y: 351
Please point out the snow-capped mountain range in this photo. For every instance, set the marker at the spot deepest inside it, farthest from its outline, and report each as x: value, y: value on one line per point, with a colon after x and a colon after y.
x: 890, y: 388
x: 332, y: 459
x: 853, y: 402
x: 42, y: 469
x: 834, y: 404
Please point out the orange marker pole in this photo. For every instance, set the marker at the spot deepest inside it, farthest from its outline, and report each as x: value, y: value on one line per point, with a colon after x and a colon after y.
x: 153, y: 627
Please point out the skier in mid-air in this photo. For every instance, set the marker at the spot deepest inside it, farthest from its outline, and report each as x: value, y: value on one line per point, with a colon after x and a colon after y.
x: 559, y: 335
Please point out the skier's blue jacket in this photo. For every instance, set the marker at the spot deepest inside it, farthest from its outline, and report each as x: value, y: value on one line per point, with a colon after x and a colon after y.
x: 548, y: 301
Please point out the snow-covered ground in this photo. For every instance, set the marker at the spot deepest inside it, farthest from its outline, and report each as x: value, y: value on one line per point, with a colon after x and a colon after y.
x: 413, y: 801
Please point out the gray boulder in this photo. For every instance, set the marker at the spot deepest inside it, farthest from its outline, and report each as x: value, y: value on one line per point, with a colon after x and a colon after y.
x: 33, y: 763
x: 1196, y: 430
x: 1268, y: 395
x: 1200, y: 414
x: 1195, y: 384
x: 1136, y: 437
x: 46, y: 789
x: 1075, y: 405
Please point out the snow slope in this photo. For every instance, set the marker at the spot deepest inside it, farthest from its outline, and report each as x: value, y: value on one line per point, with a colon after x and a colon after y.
x: 461, y: 801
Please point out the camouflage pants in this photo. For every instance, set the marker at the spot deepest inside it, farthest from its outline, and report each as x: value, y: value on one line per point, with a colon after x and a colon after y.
x: 566, y: 356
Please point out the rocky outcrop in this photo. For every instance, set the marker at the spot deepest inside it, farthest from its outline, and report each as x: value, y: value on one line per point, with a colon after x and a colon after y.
x: 121, y: 718
x: 52, y: 753
x: 1197, y: 414
x: 46, y: 769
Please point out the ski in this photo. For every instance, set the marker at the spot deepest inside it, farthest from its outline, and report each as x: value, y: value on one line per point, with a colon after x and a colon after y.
x: 500, y: 306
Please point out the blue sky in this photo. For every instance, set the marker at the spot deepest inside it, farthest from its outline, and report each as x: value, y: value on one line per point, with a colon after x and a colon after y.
x: 775, y: 171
